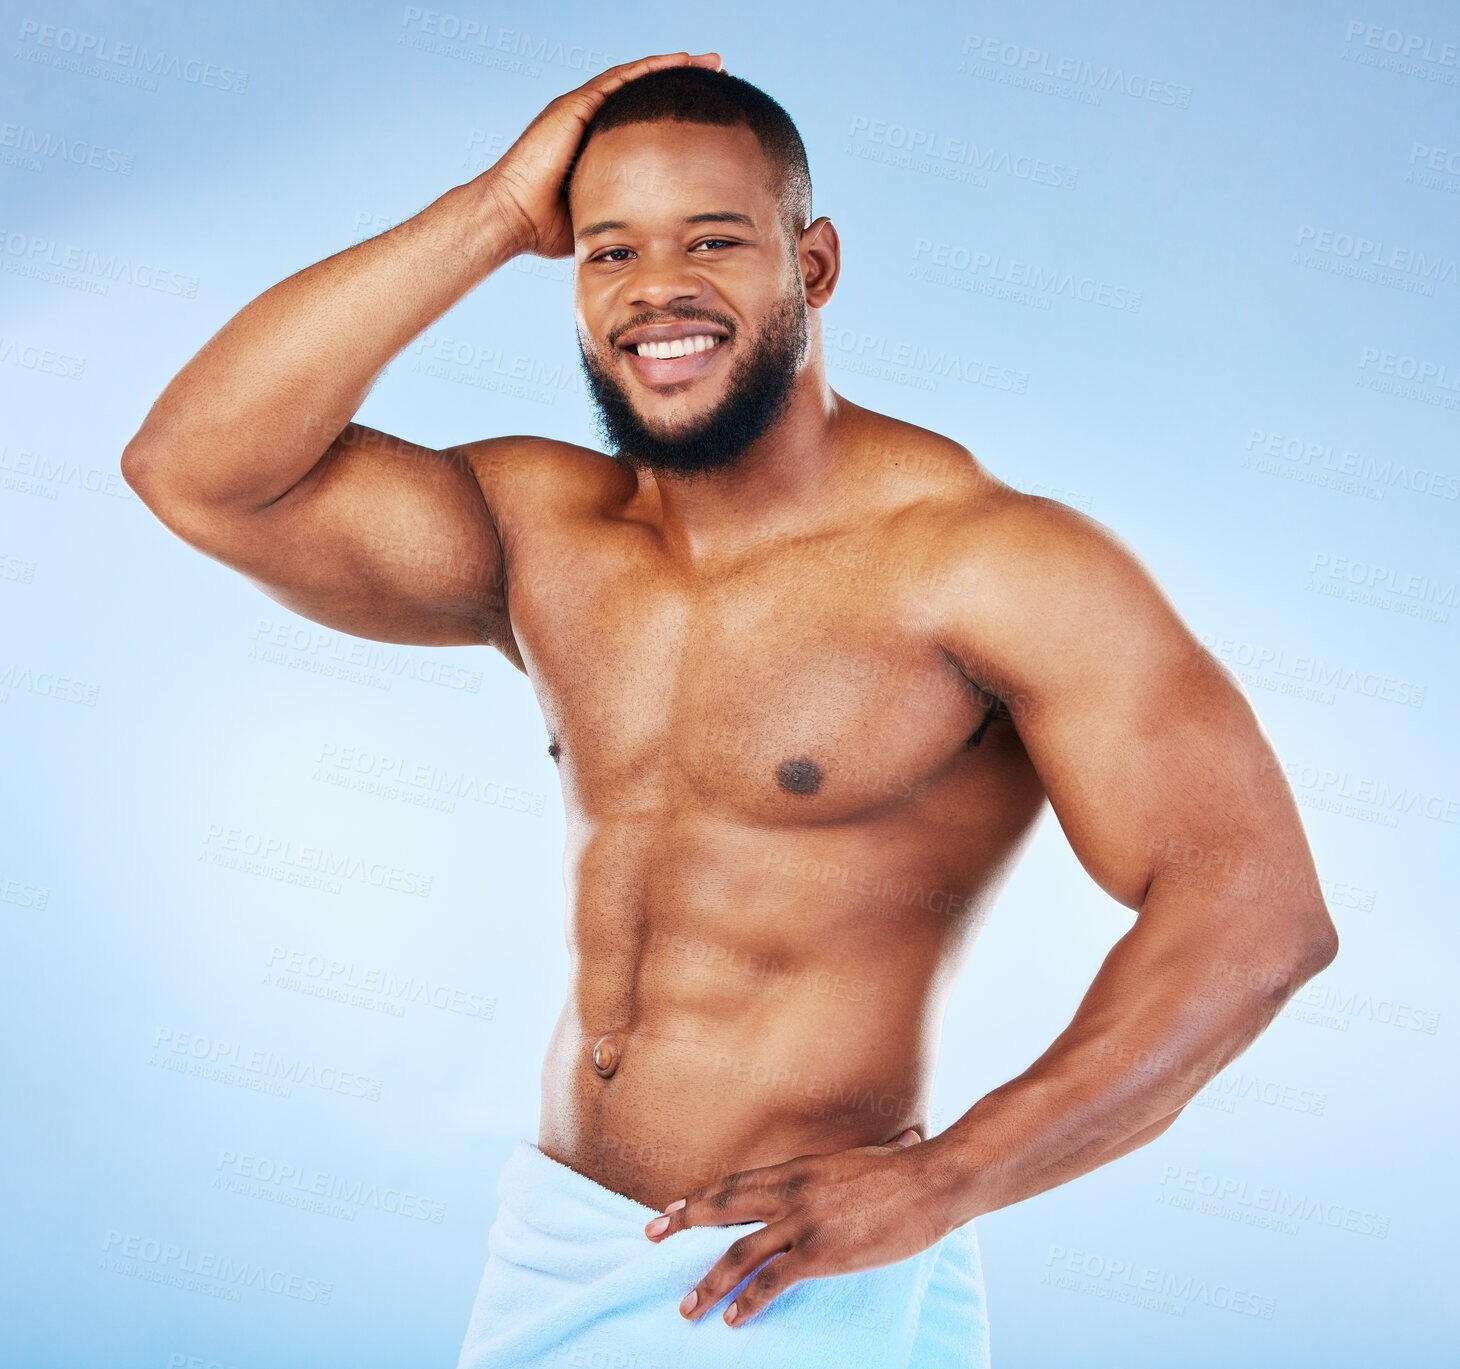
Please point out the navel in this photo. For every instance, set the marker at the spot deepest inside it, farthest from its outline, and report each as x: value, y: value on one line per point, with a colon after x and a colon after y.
x: 606, y: 1054
x: 800, y: 776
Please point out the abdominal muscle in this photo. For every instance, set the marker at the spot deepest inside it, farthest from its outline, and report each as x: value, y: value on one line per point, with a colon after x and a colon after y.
x: 757, y: 998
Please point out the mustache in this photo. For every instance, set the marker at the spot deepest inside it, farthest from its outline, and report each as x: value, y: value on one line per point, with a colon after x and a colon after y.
x: 647, y: 320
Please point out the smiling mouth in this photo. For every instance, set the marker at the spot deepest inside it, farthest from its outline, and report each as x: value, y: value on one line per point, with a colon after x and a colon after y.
x: 676, y: 347
x: 664, y: 363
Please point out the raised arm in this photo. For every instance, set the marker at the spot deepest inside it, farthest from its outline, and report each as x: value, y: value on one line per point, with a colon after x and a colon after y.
x: 250, y: 454
x: 1172, y: 799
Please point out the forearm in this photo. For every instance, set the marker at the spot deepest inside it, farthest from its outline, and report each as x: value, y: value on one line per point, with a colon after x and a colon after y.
x: 256, y: 408
x: 1179, y: 996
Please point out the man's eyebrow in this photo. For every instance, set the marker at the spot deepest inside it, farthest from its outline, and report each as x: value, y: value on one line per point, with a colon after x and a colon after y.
x: 722, y: 216
x: 715, y: 216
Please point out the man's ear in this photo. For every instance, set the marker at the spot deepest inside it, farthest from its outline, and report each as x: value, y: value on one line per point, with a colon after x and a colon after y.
x: 819, y: 252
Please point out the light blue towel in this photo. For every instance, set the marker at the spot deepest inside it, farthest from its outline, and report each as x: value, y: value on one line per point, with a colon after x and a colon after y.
x: 572, y: 1282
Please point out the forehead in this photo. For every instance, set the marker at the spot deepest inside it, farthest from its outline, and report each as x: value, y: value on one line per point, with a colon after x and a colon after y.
x: 653, y: 173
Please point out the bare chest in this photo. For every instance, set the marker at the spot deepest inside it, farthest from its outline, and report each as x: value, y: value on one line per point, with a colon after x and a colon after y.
x: 783, y: 692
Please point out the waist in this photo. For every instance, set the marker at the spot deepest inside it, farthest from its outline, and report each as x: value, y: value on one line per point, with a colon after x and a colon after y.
x: 677, y: 1098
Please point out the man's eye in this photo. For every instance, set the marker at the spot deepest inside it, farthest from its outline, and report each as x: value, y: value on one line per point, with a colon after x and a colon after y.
x: 616, y: 254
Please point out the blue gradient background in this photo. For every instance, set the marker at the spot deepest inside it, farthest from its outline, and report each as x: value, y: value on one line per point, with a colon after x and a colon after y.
x: 116, y: 927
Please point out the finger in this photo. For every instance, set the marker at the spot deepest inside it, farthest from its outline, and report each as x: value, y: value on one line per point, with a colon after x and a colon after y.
x: 739, y: 1260
x: 767, y: 1285
x: 586, y: 100
x: 757, y: 1195
x: 699, y: 59
x: 606, y: 82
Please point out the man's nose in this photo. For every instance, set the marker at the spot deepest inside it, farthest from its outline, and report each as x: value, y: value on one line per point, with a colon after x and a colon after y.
x: 658, y: 283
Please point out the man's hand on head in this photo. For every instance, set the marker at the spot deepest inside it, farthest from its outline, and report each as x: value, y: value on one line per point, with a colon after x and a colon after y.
x: 526, y: 182
x: 825, y: 1214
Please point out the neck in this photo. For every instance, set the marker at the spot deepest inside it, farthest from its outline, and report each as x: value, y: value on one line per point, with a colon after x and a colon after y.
x: 781, y: 481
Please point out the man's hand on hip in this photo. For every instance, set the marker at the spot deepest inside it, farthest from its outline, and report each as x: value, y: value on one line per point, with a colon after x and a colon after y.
x: 825, y: 1214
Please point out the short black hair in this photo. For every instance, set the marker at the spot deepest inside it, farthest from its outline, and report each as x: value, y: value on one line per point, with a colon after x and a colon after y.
x: 698, y: 95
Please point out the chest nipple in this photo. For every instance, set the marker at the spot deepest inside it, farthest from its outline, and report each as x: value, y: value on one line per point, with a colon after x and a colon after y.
x: 800, y: 776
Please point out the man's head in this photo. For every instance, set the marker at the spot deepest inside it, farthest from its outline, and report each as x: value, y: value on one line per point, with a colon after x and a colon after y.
x: 690, y: 200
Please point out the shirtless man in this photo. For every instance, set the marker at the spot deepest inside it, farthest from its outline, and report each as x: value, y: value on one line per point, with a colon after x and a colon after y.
x: 796, y: 659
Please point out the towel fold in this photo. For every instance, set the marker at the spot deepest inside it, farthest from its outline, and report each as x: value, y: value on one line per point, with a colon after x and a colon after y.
x: 572, y: 1282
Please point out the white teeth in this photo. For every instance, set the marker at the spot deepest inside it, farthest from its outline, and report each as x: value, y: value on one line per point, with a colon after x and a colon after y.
x: 698, y: 342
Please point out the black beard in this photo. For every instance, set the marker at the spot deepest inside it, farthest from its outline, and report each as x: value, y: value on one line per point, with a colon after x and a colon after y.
x: 757, y: 395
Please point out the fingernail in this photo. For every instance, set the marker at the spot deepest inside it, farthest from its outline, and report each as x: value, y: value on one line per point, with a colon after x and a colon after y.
x: 730, y: 1313
x: 656, y: 1227
x: 688, y: 1305
x: 675, y: 1206
x: 909, y: 1138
